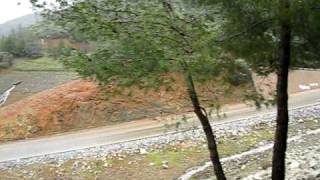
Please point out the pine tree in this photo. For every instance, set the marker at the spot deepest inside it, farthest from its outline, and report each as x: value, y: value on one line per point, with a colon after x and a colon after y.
x: 271, y: 35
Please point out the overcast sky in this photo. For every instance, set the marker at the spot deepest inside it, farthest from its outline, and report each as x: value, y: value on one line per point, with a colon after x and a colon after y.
x: 9, y: 9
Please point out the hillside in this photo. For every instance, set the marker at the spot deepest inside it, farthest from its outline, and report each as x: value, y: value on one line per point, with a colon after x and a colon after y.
x: 23, y: 21
x: 81, y: 104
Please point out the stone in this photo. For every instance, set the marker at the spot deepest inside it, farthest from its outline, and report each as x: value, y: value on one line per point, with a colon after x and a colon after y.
x: 106, y: 164
x: 257, y: 177
x: 314, y: 164
x: 165, y: 166
x: 294, y: 164
x: 164, y: 162
x: 143, y: 151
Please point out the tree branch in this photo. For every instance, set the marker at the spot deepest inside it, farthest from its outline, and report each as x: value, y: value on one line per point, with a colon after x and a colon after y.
x: 244, y: 32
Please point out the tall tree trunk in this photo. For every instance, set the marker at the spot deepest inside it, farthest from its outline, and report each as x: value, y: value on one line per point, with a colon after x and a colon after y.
x: 280, y: 144
x: 203, y: 117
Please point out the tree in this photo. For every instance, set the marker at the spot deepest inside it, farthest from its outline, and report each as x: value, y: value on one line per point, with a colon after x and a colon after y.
x: 6, y: 60
x: 143, y: 42
x: 270, y: 35
x: 56, y: 51
x: 21, y: 42
x: 281, y: 135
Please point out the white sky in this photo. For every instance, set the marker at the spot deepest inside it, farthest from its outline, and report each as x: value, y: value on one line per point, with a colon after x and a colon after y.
x: 9, y: 9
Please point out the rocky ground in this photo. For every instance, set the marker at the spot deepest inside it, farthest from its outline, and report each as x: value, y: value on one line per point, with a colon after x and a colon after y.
x: 303, y: 160
x: 168, y: 156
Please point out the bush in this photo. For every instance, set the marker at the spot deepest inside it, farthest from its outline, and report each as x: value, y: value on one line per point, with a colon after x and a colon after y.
x: 21, y: 43
x: 6, y: 60
x: 241, y: 75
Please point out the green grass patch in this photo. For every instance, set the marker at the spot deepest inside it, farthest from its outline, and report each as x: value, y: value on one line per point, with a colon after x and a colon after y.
x: 175, y: 157
x: 312, y: 124
x: 230, y: 146
x: 40, y: 64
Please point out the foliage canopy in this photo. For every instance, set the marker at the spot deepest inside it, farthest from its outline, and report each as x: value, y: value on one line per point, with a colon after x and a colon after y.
x: 140, y: 42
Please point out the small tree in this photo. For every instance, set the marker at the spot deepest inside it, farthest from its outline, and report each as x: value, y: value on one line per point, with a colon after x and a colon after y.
x: 21, y: 42
x: 56, y: 51
x: 6, y: 60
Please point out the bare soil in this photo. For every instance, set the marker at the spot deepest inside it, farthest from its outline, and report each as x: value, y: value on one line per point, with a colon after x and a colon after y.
x: 82, y: 104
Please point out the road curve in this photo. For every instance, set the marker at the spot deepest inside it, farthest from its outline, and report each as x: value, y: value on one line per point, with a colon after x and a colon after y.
x: 127, y: 131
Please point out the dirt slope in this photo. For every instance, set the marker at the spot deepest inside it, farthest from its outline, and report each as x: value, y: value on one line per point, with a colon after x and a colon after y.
x: 81, y: 104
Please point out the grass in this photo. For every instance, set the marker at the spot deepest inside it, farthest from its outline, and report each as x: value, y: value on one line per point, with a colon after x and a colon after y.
x: 175, y: 157
x: 40, y: 64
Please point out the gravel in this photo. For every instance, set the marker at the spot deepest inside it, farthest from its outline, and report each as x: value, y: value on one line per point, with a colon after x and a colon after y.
x: 302, y: 162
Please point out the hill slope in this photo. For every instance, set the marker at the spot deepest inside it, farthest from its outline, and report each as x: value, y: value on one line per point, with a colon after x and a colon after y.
x: 23, y: 21
x: 81, y: 104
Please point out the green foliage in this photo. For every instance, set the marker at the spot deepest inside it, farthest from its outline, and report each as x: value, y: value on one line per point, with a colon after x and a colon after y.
x: 49, y: 30
x: 141, y: 42
x: 39, y: 64
x: 240, y: 73
x: 306, y: 33
x: 6, y: 60
x: 21, y: 43
x: 251, y: 32
x: 56, y: 52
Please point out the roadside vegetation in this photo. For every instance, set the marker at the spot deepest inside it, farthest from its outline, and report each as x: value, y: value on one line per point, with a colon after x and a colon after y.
x: 39, y: 64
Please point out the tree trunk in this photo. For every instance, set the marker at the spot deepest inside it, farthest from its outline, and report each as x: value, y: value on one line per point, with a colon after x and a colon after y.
x: 280, y: 144
x: 203, y: 117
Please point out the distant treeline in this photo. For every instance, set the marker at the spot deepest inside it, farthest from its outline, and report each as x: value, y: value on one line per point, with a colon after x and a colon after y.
x: 40, y: 39
x: 21, y: 42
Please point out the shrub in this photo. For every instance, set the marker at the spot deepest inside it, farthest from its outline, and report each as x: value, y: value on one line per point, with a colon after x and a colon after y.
x: 241, y: 74
x: 6, y: 60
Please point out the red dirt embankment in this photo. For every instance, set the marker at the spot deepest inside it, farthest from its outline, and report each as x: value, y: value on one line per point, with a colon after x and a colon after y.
x: 81, y: 104
x: 45, y: 110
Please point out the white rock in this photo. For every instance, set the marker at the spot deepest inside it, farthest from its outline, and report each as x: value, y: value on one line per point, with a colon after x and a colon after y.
x: 143, y: 151
x: 294, y: 164
x: 300, y: 121
x: 164, y: 162
x: 151, y: 164
x: 165, y: 166
x: 106, y: 164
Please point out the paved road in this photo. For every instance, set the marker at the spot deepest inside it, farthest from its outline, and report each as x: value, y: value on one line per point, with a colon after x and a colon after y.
x: 127, y: 131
